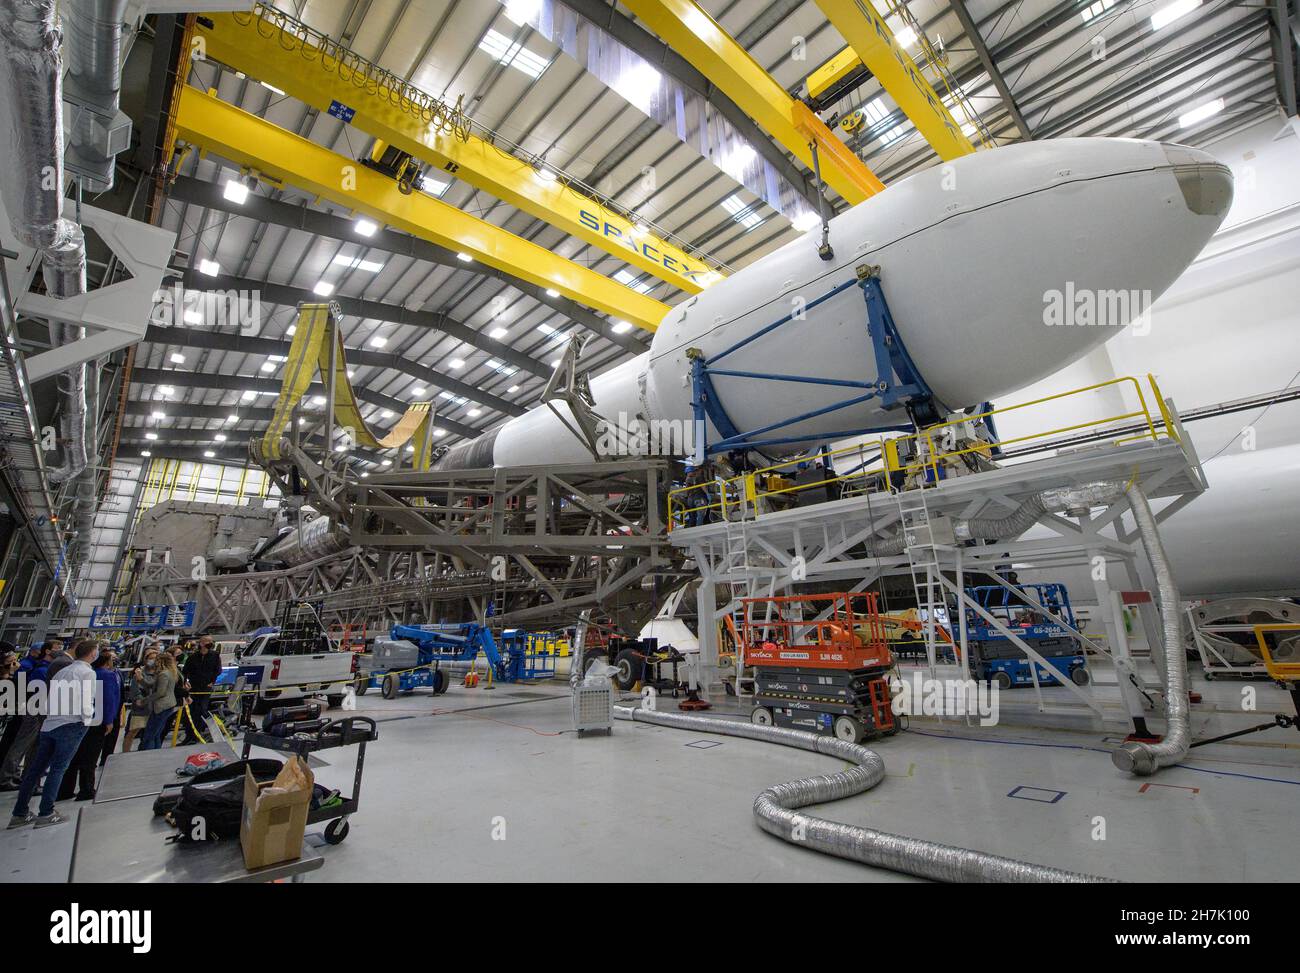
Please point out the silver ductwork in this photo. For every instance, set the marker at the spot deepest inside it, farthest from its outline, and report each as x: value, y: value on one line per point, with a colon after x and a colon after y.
x: 999, y: 528
x: 775, y: 809
x: 93, y: 89
x: 31, y: 67
x: 1145, y: 759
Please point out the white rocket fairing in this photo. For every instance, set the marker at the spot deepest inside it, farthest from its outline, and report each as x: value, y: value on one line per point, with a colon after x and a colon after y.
x: 971, y: 253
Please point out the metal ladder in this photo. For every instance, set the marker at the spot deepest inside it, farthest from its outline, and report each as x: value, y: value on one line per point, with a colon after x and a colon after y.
x: 740, y: 585
x: 924, y: 563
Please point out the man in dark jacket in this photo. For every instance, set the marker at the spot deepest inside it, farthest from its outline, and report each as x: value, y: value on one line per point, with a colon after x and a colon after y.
x: 35, y: 666
x: 201, y: 671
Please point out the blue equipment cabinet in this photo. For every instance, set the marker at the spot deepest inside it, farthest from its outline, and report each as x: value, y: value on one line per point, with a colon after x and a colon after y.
x: 995, y: 658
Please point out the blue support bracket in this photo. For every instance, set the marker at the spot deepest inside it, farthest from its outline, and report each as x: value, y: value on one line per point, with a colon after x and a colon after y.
x: 898, y: 383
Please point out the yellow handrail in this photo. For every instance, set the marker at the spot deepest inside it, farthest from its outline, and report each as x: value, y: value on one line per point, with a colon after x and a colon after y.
x: 1281, y: 671
x: 743, y: 488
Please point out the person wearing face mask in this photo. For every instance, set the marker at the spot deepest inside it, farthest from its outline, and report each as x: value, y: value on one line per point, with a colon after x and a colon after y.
x: 142, y: 680
x: 70, y: 690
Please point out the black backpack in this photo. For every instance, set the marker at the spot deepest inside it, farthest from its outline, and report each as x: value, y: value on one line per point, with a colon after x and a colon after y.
x: 208, y: 811
x: 264, y: 769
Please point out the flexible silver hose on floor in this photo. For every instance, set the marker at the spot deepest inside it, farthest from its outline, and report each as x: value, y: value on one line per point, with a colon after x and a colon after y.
x: 775, y: 809
x: 1145, y: 759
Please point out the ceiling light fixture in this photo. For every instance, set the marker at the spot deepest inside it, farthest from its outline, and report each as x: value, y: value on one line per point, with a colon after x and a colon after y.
x: 235, y: 191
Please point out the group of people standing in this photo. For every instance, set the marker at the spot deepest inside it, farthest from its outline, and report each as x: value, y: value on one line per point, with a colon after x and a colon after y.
x: 66, y: 748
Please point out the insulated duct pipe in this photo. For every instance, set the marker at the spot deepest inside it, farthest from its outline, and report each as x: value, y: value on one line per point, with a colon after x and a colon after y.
x: 775, y: 810
x: 94, y: 85
x: 1145, y: 759
x: 31, y: 67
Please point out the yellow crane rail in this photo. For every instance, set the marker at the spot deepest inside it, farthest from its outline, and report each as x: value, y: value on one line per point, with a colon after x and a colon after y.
x: 272, y: 47
x: 245, y: 140
x: 692, y: 33
x: 875, y: 45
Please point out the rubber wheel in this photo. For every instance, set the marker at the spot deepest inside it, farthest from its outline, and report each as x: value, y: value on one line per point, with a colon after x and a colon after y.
x: 362, y: 686
x: 761, y: 716
x: 440, y: 682
x: 629, y: 670
x: 593, y: 655
x: 392, y: 686
x: 848, y: 729
x: 334, y: 701
x: 336, y: 831
x: 1001, y: 680
x: 1079, y: 676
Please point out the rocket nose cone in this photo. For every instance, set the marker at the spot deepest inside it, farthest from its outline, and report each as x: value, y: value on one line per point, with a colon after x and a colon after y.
x: 1206, y: 183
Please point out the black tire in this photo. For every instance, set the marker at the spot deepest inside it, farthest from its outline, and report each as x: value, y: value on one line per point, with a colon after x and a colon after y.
x: 1079, y: 676
x: 336, y: 831
x: 593, y: 655
x: 392, y: 686
x: 440, y: 682
x: 761, y: 716
x: 334, y: 700
x: 1001, y: 680
x: 362, y: 685
x: 848, y: 729
x: 630, y: 666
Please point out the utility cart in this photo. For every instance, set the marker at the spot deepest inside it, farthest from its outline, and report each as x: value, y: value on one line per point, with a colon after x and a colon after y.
x: 351, y: 731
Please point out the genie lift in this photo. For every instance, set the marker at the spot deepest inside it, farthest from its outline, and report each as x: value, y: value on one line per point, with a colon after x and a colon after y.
x: 416, y: 656
x: 995, y: 658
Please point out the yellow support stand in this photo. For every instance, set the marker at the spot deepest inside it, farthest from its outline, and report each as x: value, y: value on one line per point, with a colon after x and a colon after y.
x: 316, y: 343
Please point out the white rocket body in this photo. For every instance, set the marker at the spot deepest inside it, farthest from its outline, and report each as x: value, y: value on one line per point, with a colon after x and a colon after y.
x: 970, y: 254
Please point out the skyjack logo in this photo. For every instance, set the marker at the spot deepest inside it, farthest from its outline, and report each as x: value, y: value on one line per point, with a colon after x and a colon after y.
x: 73, y: 927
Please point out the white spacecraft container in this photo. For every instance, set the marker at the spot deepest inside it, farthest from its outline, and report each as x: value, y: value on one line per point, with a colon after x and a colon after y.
x: 976, y: 258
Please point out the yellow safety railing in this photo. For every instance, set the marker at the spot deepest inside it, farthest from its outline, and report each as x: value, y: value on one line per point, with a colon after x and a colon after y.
x: 1281, y: 671
x: 722, y: 496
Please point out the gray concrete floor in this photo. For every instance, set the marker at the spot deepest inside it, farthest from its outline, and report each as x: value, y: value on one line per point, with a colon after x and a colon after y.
x: 481, y: 785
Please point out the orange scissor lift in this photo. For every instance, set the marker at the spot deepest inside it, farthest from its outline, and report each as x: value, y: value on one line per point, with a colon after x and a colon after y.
x: 820, y: 663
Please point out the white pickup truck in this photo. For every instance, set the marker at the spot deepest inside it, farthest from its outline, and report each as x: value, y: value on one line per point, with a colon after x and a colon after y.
x: 327, y: 671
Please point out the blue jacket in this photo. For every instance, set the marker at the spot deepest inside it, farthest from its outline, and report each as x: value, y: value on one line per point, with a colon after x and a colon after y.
x: 35, y: 670
x: 112, y: 687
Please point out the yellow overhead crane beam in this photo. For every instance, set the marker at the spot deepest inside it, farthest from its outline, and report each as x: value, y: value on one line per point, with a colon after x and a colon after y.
x: 873, y: 42
x: 338, y: 82
x: 843, y: 64
x: 695, y: 35
x: 245, y: 140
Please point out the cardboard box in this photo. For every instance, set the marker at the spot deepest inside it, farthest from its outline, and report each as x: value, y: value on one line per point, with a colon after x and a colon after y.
x: 275, y: 815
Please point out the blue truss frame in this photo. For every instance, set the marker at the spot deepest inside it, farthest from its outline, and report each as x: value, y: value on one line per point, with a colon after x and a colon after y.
x: 898, y: 382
